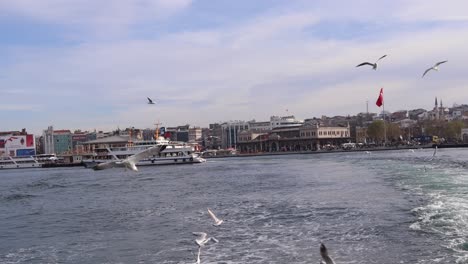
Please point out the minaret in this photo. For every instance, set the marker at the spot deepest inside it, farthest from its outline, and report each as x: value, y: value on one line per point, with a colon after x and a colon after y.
x: 441, y: 110
x: 436, y: 110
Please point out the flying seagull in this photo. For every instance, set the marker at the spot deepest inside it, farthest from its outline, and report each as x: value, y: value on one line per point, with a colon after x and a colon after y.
x: 435, y: 67
x: 217, y: 221
x: 324, y: 254
x: 203, y: 238
x: 150, y: 101
x: 374, y: 65
x: 130, y: 162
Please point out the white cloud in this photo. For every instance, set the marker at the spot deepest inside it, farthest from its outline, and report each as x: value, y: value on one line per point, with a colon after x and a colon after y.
x: 253, y: 69
x: 100, y: 19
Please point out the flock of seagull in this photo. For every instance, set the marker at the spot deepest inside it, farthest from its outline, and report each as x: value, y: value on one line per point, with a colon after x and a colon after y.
x: 374, y: 65
x: 203, y: 239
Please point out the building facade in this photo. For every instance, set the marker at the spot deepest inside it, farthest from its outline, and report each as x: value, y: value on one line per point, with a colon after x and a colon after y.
x: 57, y: 141
x: 307, y: 137
x: 229, y: 133
x: 17, y: 144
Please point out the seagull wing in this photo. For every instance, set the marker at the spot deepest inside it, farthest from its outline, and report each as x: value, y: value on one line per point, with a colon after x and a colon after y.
x: 131, y: 161
x: 149, y: 100
x: 145, y: 153
x: 365, y: 63
x: 201, y: 235
x: 382, y: 57
x: 439, y: 63
x: 216, y: 219
x: 105, y: 165
x: 426, y: 72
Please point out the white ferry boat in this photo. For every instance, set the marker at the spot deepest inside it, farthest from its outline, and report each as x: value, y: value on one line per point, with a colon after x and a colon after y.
x: 19, y: 163
x: 35, y: 161
x: 174, y: 153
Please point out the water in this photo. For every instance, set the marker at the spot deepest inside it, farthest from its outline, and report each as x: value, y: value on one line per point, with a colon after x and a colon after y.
x: 383, y: 207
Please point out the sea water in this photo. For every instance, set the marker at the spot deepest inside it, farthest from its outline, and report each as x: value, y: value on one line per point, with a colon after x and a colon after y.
x: 384, y: 207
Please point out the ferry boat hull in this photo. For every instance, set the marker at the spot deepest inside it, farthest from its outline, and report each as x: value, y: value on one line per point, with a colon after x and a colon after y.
x: 19, y: 163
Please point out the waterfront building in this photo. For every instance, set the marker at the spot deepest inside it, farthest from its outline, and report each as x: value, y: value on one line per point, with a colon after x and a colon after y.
x: 230, y: 131
x: 293, y: 138
x: 62, y: 141
x: 78, y: 138
x: 57, y: 141
x: 48, y: 140
x: 212, y: 136
x: 115, y: 141
x: 361, y: 135
x: 195, y: 135
x: 17, y: 144
x: 260, y: 126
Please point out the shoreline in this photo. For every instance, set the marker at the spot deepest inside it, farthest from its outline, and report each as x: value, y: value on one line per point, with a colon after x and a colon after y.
x: 327, y: 151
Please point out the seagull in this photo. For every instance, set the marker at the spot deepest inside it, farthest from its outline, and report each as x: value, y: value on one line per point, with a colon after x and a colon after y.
x: 217, y: 221
x: 374, y: 65
x: 203, y: 238
x: 324, y: 254
x: 435, y: 67
x: 433, y: 154
x: 150, y: 101
x: 198, y: 256
x: 130, y: 162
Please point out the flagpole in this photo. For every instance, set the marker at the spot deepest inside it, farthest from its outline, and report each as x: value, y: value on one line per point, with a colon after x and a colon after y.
x: 384, y: 126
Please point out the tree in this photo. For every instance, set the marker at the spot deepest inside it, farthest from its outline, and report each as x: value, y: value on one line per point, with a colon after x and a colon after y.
x: 453, y: 130
x: 393, y: 131
x: 375, y: 130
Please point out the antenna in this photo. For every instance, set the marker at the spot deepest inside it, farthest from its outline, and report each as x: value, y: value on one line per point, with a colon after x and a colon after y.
x: 367, y: 107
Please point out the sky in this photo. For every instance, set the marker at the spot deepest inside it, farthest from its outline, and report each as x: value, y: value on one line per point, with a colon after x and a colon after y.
x: 91, y: 64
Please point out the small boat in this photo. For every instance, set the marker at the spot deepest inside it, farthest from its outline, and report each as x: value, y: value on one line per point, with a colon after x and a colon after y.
x: 19, y: 163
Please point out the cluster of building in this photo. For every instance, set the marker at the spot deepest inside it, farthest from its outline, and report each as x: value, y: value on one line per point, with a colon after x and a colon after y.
x: 280, y: 133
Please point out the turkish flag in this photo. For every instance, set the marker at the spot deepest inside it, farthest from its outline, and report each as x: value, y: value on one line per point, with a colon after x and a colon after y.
x: 379, y: 102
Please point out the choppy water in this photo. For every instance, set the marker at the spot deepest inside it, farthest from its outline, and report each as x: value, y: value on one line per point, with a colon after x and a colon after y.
x: 383, y: 207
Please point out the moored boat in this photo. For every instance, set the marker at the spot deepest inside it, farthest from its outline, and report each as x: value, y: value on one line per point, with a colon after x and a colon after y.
x: 19, y: 163
x: 174, y: 153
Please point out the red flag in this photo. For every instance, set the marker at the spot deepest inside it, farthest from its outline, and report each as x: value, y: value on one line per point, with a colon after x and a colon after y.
x: 29, y: 140
x: 379, y: 102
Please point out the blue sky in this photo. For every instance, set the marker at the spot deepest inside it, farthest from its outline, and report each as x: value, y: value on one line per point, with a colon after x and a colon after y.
x: 91, y: 64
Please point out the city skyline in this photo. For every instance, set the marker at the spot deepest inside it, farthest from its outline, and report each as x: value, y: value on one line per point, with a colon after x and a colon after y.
x: 91, y: 65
